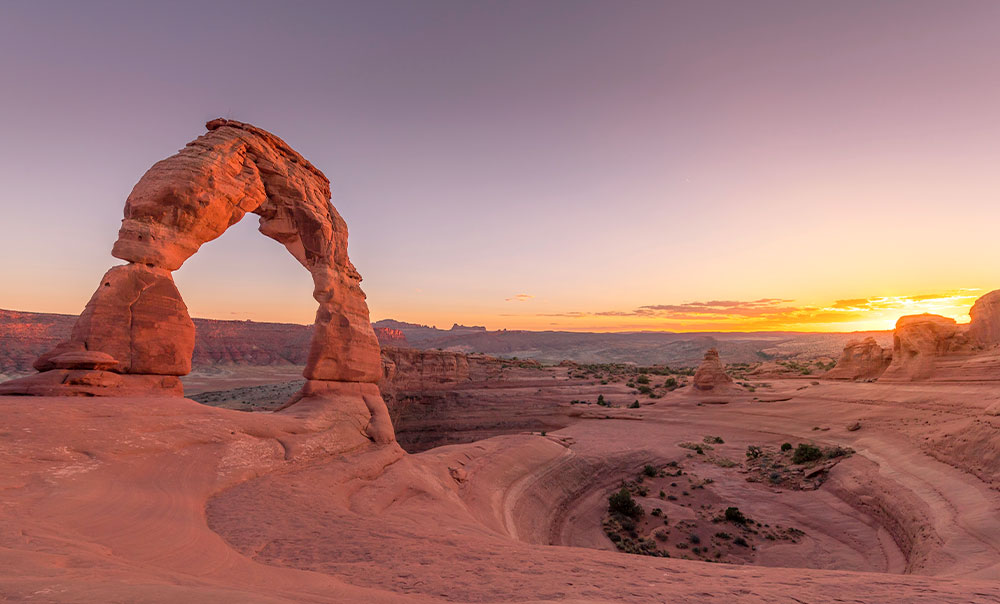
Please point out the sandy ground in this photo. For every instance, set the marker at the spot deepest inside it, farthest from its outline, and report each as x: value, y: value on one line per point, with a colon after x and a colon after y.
x: 164, y: 500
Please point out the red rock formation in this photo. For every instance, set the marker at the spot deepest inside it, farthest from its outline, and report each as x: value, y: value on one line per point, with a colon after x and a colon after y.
x: 711, y: 375
x: 410, y: 369
x: 862, y: 360
x: 984, y: 330
x: 388, y: 336
x: 918, y: 342
x: 138, y: 318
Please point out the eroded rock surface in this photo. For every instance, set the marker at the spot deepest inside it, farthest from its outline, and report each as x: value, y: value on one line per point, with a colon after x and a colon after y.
x: 984, y: 330
x: 862, y: 360
x: 412, y: 369
x: 138, y: 319
x: 918, y: 342
x: 711, y: 375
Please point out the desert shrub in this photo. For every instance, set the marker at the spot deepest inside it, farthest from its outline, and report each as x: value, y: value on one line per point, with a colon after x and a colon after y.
x: 697, y: 448
x: 601, y: 401
x: 634, y: 405
x: 753, y: 452
x: 657, y: 512
x: 722, y: 462
x: 805, y: 453
x: 741, y: 542
x: 643, y: 491
x: 645, y: 389
x: 671, y: 382
x: 714, y: 440
x: 734, y: 515
x: 693, y: 538
x: 621, y: 503
x: 786, y: 446
x: 642, y: 379
x: 650, y: 470
x: 671, y: 497
x: 723, y: 535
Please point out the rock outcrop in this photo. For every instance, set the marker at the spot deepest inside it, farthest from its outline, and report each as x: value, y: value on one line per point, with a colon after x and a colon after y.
x: 711, y: 375
x: 390, y: 337
x: 137, y: 318
x: 862, y: 360
x: 411, y: 369
x: 919, y: 341
x: 984, y: 330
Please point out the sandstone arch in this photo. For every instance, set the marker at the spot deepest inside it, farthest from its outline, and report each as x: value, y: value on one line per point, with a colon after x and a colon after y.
x: 135, y: 336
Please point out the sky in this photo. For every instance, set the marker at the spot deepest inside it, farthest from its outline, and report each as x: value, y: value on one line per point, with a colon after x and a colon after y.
x: 585, y: 166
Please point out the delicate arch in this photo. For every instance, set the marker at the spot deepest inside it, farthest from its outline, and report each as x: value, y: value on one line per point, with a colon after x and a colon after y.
x: 135, y: 333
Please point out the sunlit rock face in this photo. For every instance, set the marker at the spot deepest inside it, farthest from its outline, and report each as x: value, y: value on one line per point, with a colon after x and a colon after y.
x: 984, y: 330
x: 918, y: 342
x: 137, y: 321
x: 862, y: 360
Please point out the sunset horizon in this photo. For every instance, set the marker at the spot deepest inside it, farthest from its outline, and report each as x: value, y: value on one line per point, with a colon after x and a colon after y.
x: 604, y: 183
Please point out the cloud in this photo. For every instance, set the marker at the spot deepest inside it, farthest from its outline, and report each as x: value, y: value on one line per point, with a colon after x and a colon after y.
x: 519, y: 298
x: 922, y: 302
x: 712, y: 310
x: 783, y: 314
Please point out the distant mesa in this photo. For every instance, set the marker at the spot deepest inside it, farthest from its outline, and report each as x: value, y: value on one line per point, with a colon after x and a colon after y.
x: 135, y: 336
x: 711, y: 375
x: 457, y: 327
x: 862, y: 361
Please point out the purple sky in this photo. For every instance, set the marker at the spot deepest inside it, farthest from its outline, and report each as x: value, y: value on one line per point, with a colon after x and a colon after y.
x: 527, y: 164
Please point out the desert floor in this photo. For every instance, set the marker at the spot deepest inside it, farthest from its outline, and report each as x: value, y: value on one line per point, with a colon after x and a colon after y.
x: 165, y: 500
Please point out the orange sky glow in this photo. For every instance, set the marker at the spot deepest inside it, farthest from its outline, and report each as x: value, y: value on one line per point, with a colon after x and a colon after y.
x: 661, y: 166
